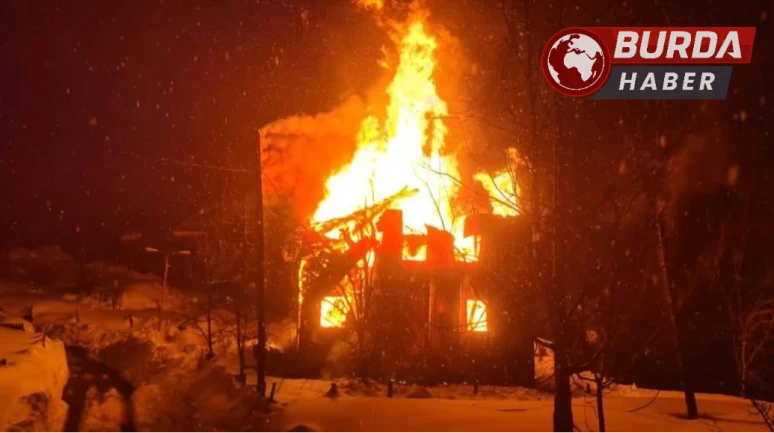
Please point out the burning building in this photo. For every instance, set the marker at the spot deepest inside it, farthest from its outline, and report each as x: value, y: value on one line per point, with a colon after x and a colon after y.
x: 395, y: 260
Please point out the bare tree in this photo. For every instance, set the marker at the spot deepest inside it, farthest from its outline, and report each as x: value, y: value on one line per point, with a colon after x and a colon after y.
x: 669, y: 298
x: 357, y: 291
x: 211, y: 329
x: 219, y: 253
x: 749, y: 304
x: 346, y: 268
x: 243, y: 328
x: 255, y: 259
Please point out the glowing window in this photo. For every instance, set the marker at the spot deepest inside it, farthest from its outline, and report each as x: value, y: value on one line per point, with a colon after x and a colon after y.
x: 476, y: 315
x: 333, y: 311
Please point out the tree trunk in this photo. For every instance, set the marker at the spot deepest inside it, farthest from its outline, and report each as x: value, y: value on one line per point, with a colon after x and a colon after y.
x: 260, y: 283
x: 692, y: 411
x: 240, y: 344
x: 743, y: 368
x: 362, y: 368
x: 692, y: 407
x: 600, y: 405
x: 163, y: 289
x: 210, y: 348
x: 563, y: 396
x: 207, y: 288
x: 764, y: 409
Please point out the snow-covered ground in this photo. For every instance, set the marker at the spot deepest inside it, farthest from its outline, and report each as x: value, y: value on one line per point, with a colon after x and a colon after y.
x: 33, y: 373
x: 364, y: 406
x: 377, y: 415
x: 162, y: 382
x: 173, y: 389
x: 291, y: 390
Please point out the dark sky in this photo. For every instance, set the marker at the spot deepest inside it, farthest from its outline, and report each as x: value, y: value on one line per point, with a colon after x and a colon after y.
x: 93, y: 93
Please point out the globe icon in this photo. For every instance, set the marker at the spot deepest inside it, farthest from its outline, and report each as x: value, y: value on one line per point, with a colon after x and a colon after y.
x: 576, y: 63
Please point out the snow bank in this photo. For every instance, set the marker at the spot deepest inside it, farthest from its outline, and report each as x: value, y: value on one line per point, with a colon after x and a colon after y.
x: 120, y: 287
x: 204, y: 399
x: 147, y: 296
x: 291, y: 389
x: 46, y: 265
x: 137, y: 296
x: 16, y: 323
x: 32, y: 378
x: 104, y: 270
x: 419, y: 392
x: 103, y: 412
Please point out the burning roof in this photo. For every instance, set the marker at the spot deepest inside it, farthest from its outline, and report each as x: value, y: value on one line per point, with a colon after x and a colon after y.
x: 400, y: 158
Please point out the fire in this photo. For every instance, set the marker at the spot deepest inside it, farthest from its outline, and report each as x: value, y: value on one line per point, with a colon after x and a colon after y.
x: 405, y: 150
x: 375, y: 4
x: 402, y: 162
x: 333, y: 311
x: 500, y: 189
x: 476, y: 315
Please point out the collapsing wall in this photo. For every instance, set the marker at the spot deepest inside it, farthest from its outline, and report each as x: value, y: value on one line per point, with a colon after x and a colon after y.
x: 438, y: 319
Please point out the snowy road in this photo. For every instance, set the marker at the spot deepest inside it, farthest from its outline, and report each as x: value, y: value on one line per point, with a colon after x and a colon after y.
x: 381, y: 414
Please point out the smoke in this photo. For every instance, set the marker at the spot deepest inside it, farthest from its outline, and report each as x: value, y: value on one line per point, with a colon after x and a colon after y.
x: 393, y: 15
x: 698, y: 165
x: 370, y: 4
x: 301, y: 152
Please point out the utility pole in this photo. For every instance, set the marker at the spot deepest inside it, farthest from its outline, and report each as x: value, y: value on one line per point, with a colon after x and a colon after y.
x: 166, y: 273
x: 260, y: 263
x: 163, y: 289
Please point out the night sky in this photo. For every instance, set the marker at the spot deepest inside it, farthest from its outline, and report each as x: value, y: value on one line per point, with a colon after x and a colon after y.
x: 107, y: 108
x: 94, y: 94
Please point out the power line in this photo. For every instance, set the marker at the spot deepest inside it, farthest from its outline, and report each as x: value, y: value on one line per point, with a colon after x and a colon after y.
x: 179, y: 162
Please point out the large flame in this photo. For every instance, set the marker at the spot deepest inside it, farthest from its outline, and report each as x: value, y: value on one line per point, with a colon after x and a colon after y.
x: 502, y: 189
x: 402, y: 161
x: 405, y: 150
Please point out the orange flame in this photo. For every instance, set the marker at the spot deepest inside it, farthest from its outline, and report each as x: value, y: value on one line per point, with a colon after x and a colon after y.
x: 501, y: 192
x: 502, y: 189
x: 407, y: 149
x: 333, y: 311
x: 476, y: 315
x: 370, y: 4
x: 402, y: 159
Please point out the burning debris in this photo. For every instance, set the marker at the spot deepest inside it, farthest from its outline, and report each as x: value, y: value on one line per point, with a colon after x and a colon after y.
x: 395, y: 208
x: 406, y: 149
x: 401, y: 160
